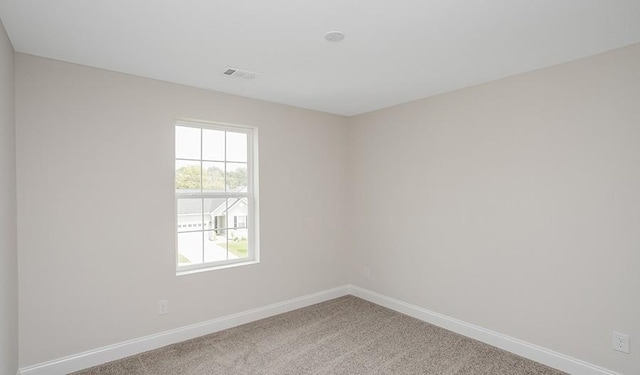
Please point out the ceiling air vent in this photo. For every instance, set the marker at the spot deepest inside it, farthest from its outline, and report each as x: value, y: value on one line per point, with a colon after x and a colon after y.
x: 239, y: 73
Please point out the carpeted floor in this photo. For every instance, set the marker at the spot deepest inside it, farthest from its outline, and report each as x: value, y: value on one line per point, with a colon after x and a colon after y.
x: 346, y: 335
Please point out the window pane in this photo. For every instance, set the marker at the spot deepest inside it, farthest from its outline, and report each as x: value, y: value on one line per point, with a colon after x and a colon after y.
x: 237, y: 208
x: 238, y: 234
x: 215, y: 213
x: 189, y: 215
x: 212, y: 144
x: 236, y: 146
x: 212, y: 176
x: 187, y: 143
x: 188, y: 176
x: 215, y: 245
x: 236, y: 177
x: 189, y: 248
x: 238, y: 243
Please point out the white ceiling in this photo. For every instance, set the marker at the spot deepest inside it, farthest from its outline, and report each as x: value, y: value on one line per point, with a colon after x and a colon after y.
x: 394, y: 51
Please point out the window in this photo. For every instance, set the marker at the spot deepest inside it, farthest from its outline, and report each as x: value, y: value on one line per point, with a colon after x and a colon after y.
x: 216, y: 204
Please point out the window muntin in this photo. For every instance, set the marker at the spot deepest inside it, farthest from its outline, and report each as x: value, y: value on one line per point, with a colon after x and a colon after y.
x: 216, y: 223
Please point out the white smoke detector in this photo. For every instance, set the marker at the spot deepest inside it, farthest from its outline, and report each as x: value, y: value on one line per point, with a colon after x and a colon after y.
x: 334, y: 36
x: 239, y: 73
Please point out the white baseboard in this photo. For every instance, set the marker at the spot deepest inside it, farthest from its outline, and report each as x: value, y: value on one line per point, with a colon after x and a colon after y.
x: 510, y: 344
x: 132, y: 347
x: 124, y: 349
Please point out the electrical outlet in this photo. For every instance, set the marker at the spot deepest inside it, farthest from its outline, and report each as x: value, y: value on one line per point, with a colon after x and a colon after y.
x: 366, y: 272
x: 620, y: 342
x: 163, y: 307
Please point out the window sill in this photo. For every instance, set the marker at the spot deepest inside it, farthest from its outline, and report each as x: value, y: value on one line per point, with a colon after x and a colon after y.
x: 213, y: 268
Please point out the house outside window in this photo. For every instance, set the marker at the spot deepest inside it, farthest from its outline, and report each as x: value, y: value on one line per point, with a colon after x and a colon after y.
x: 216, y: 200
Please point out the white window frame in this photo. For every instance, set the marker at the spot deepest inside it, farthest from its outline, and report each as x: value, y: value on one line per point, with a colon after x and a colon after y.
x: 253, y: 250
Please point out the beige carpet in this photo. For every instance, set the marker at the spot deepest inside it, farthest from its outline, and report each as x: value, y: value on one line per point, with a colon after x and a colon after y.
x: 346, y: 335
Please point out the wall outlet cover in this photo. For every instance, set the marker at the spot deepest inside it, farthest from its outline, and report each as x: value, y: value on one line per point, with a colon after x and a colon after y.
x: 620, y: 342
x: 163, y: 307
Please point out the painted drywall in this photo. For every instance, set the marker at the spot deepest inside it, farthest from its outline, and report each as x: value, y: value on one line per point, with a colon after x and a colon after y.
x: 8, y: 239
x: 513, y: 205
x: 96, y: 207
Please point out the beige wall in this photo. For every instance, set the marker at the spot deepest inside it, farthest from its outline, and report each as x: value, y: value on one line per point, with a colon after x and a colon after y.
x: 514, y: 205
x: 99, y: 144
x: 8, y: 244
